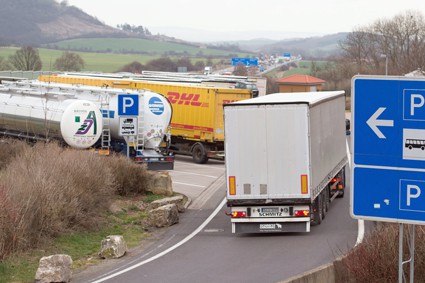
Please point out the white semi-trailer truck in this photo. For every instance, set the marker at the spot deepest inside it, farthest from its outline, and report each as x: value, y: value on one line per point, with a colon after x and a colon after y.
x: 285, y: 160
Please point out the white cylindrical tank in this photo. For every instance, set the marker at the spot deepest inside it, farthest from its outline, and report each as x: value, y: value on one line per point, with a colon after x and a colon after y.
x: 78, y: 122
x: 155, y: 111
x: 155, y: 116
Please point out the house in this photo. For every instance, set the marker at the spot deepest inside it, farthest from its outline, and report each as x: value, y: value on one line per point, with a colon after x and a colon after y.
x: 300, y: 83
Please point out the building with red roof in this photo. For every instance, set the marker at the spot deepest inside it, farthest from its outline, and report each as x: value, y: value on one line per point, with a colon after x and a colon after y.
x: 300, y: 83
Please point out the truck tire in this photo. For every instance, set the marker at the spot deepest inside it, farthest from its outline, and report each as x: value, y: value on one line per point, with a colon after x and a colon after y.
x: 324, y: 210
x: 317, y: 211
x: 199, y: 153
x: 327, y: 199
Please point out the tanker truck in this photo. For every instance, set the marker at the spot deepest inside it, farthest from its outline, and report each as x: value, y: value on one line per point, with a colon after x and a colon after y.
x: 38, y: 110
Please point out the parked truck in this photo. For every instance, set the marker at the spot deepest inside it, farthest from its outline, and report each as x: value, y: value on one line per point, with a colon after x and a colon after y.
x: 197, y: 127
x: 285, y: 160
x: 39, y: 110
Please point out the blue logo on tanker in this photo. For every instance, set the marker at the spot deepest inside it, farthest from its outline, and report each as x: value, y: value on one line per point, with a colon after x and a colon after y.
x: 156, y: 106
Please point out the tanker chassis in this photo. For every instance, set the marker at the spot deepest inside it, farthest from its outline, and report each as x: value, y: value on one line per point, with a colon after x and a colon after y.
x: 285, y: 160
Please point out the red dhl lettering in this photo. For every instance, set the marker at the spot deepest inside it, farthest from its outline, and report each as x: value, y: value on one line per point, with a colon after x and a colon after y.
x: 227, y: 101
x: 184, y: 98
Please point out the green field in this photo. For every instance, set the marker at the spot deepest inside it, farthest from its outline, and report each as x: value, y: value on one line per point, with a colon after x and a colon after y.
x: 135, y: 45
x: 103, y: 62
x: 110, y: 55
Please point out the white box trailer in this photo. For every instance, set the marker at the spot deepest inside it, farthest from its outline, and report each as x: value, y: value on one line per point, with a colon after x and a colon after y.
x: 285, y: 160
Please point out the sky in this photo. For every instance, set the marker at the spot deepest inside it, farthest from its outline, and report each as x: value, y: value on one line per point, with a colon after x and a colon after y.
x: 205, y: 21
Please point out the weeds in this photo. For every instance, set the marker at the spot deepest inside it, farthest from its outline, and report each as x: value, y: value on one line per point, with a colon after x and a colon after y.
x: 47, y: 191
x: 376, y: 259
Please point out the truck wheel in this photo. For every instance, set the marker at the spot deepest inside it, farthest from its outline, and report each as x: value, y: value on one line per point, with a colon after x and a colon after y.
x: 327, y: 199
x: 324, y: 210
x: 317, y: 211
x: 199, y: 154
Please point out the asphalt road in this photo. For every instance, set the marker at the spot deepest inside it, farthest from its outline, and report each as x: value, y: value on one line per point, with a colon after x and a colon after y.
x: 214, y: 254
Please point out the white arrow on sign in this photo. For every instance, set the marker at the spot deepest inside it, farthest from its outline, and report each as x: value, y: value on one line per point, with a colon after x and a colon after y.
x: 373, y: 122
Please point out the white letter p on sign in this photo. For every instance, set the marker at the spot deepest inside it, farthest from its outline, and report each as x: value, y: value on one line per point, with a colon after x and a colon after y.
x: 414, y: 104
x: 410, y: 195
x: 127, y: 103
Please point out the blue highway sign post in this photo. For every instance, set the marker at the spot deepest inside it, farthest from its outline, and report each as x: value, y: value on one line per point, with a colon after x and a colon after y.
x: 245, y: 61
x: 388, y: 141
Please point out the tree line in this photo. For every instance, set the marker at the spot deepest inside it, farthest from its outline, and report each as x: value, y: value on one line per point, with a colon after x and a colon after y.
x: 394, y: 46
x: 27, y: 58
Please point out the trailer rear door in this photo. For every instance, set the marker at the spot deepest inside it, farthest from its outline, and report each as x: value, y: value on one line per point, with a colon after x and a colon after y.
x: 266, y: 149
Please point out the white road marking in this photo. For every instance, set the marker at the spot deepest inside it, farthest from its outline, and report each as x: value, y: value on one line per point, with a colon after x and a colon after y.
x: 196, y: 174
x: 193, y: 234
x: 191, y: 185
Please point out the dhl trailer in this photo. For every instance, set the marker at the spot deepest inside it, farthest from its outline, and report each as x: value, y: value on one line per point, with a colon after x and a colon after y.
x: 197, y: 126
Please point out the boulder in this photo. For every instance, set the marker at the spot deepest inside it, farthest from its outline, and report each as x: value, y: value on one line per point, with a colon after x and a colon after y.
x: 54, y: 268
x: 177, y: 200
x: 113, y: 247
x: 160, y: 184
x: 164, y: 216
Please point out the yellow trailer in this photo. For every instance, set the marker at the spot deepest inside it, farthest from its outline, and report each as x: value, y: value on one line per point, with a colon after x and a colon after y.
x: 197, y: 126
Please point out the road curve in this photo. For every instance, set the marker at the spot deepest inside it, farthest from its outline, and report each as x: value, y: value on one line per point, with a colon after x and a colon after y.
x: 214, y: 254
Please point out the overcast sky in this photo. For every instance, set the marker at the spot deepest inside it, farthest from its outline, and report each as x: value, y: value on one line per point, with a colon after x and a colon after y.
x: 245, y: 19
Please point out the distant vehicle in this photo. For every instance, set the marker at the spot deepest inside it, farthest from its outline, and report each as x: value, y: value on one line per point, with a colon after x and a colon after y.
x: 207, y: 70
x: 285, y: 160
x: 347, y: 127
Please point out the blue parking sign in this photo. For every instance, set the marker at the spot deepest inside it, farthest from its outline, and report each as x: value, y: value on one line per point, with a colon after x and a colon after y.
x: 128, y: 105
x: 388, y: 141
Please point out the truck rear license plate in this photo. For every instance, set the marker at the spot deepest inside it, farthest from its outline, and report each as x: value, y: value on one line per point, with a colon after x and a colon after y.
x: 270, y: 209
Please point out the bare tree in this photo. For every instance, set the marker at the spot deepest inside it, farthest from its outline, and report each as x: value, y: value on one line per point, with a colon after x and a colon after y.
x: 240, y: 70
x: 26, y: 59
x: 400, y: 40
x: 69, y: 61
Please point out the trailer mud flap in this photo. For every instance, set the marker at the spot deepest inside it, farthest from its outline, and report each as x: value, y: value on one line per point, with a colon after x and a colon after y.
x: 274, y: 227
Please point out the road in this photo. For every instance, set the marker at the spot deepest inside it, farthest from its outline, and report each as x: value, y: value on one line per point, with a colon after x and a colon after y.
x: 214, y: 254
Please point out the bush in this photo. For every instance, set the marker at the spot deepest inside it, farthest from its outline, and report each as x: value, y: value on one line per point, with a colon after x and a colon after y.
x: 9, y: 148
x: 129, y: 178
x: 46, y: 191
x: 376, y: 259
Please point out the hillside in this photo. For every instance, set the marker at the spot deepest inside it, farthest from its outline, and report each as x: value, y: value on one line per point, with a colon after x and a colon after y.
x: 316, y: 47
x: 42, y: 21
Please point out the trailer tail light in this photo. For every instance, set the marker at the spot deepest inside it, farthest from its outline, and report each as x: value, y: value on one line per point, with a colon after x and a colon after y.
x: 304, y: 184
x: 301, y: 213
x: 232, y: 185
x: 238, y: 214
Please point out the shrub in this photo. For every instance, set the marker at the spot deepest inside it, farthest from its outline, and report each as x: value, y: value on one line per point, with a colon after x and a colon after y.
x: 53, y: 190
x: 129, y: 178
x: 9, y: 148
x: 376, y: 259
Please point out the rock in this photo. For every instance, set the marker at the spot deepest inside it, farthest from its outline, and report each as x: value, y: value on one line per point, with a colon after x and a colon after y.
x: 54, y: 268
x: 178, y: 200
x: 113, y: 247
x: 160, y: 184
x: 164, y: 216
